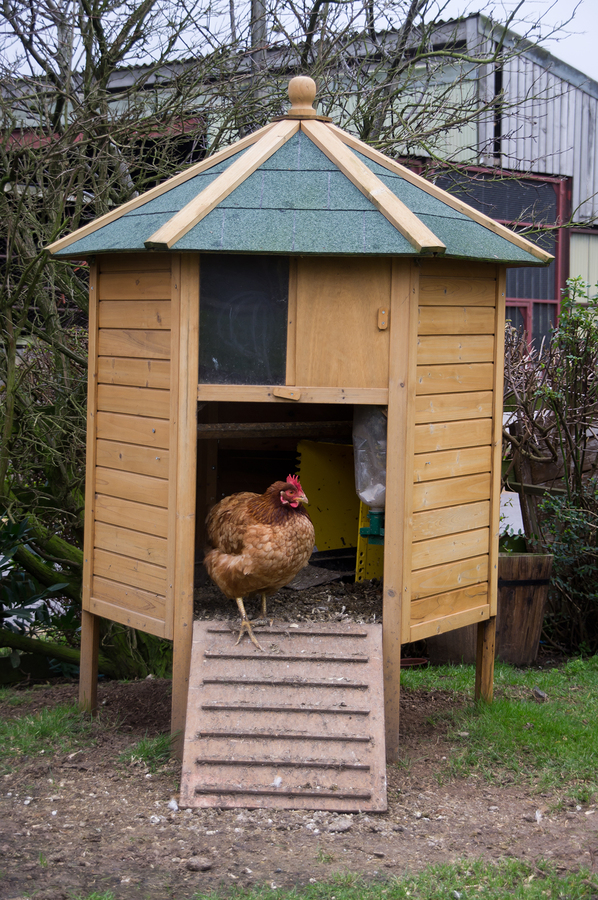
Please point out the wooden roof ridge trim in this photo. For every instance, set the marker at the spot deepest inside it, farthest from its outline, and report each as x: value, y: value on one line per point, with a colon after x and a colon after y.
x: 398, y: 214
x: 437, y: 192
x: 160, y: 189
x: 183, y: 221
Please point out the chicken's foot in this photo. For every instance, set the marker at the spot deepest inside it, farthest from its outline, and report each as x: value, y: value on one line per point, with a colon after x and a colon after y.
x: 246, y: 625
x: 264, y: 620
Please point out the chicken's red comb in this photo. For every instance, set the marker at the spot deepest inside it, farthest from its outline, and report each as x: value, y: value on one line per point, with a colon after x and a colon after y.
x: 292, y: 479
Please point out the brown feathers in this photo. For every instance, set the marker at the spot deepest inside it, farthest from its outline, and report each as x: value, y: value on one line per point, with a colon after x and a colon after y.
x: 258, y: 542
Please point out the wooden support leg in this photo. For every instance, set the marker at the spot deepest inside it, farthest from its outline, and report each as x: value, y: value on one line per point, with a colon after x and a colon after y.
x: 396, y: 601
x: 181, y: 665
x: 88, y: 670
x: 391, y: 652
x: 183, y: 506
x: 484, y: 670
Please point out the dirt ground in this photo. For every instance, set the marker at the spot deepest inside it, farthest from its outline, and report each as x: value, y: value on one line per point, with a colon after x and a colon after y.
x: 74, y: 823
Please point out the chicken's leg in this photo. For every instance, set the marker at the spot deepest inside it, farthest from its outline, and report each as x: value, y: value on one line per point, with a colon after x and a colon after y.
x: 246, y: 624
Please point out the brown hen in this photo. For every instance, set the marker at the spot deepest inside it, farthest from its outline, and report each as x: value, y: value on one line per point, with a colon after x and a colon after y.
x: 258, y: 543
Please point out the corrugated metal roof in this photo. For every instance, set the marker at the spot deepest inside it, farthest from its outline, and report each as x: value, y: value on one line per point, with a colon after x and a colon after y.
x: 298, y: 201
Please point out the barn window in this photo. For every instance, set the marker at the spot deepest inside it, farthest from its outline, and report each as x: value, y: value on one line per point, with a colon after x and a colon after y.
x: 533, y: 205
x: 243, y: 314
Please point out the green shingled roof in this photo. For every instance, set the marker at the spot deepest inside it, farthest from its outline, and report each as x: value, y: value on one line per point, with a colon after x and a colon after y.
x: 297, y: 201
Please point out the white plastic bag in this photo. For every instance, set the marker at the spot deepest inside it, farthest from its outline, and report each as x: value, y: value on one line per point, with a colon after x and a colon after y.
x: 369, y: 446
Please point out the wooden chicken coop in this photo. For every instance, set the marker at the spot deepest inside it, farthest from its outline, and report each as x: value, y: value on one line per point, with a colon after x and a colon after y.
x: 275, y: 286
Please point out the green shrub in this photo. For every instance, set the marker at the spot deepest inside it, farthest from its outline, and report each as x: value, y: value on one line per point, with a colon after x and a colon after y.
x: 570, y: 527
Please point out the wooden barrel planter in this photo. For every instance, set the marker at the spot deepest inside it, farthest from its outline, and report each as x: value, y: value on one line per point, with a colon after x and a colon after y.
x: 523, y: 580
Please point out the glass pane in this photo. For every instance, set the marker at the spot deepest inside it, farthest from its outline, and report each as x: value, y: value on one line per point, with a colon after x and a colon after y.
x: 243, y: 319
x: 544, y: 318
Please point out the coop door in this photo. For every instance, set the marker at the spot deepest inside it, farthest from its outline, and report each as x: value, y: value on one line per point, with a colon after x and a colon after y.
x: 341, y: 338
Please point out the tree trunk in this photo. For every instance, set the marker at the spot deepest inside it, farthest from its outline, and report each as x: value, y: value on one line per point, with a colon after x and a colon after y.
x: 47, y: 575
x: 59, y: 651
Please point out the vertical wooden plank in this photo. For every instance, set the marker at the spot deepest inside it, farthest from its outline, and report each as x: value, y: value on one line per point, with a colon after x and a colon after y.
x: 88, y: 673
x: 184, y: 423
x: 484, y: 670
x: 399, y: 486
x: 484, y: 679
x: 178, y: 701
x: 173, y: 438
x: 497, y: 412
x: 291, y: 372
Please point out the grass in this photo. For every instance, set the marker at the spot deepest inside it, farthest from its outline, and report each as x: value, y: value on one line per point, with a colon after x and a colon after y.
x: 550, y: 745
x: 462, y: 881
x: 468, y: 880
x: 152, y: 753
x: 104, y: 895
x: 323, y: 857
x: 59, y: 729
x: 12, y: 697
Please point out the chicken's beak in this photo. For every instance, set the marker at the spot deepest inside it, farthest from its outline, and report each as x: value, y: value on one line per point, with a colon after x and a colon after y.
x: 303, y: 499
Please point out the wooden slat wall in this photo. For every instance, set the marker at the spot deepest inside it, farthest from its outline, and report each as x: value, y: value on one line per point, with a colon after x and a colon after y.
x: 454, y: 490
x: 128, y: 551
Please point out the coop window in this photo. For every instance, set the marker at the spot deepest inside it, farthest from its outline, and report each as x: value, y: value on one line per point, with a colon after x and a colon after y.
x: 243, y: 313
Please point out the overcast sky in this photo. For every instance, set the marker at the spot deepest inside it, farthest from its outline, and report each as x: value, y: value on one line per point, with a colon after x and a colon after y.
x: 577, y: 42
x: 579, y: 46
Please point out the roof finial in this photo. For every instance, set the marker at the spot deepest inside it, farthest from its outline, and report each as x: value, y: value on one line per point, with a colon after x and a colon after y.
x: 302, y: 93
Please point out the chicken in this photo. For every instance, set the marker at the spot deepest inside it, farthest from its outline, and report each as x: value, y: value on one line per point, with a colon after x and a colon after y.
x: 258, y: 543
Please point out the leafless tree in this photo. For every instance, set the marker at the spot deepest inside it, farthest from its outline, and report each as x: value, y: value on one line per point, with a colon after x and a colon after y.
x: 100, y: 99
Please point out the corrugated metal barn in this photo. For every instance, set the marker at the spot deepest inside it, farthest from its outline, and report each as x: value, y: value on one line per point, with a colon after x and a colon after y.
x: 535, y: 164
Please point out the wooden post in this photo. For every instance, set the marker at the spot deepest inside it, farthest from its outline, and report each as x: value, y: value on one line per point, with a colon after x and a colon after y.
x: 88, y: 669
x: 90, y: 623
x: 484, y: 670
x: 185, y: 293
x: 484, y: 679
x: 399, y: 481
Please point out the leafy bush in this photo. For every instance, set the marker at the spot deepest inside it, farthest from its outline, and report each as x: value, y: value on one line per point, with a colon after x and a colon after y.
x: 20, y: 596
x: 21, y: 600
x: 570, y: 529
x: 551, y: 439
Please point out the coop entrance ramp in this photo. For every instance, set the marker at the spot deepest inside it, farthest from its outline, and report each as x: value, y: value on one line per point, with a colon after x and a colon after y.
x: 297, y: 726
